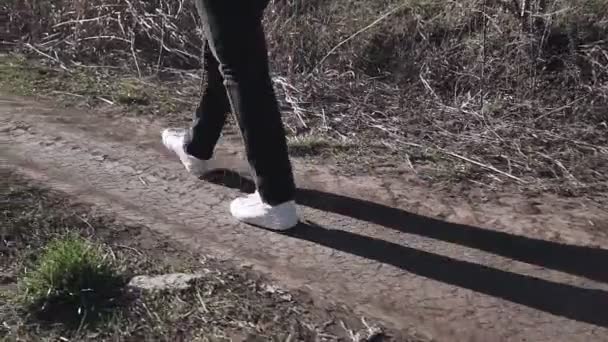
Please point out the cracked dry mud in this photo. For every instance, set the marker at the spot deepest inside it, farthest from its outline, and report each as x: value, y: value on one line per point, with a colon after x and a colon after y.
x: 485, y: 272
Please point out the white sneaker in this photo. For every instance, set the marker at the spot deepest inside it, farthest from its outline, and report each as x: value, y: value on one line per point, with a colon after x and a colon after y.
x: 252, y: 210
x: 173, y: 139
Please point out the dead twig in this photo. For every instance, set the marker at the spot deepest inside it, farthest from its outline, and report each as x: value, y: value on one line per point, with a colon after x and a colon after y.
x: 291, y: 99
x: 485, y: 166
x: 105, y: 100
x: 135, y: 54
x: 104, y: 37
x: 54, y: 59
x: 86, y: 222
x: 482, y: 83
x: 81, y: 21
x: 559, y: 109
x: 66, y: 93
x: 428, y: 87
x: 136, y: 251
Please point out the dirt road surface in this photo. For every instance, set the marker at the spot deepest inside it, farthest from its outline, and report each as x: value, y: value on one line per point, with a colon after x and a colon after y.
x: 508, y: 269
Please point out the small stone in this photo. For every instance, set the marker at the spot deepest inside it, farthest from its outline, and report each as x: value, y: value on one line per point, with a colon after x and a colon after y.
x: 165, y: 282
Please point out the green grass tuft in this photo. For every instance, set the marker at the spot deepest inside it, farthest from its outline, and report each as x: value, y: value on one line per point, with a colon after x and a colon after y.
x: 132, y: 92
x: 16, y: 76
x: 72, y: 277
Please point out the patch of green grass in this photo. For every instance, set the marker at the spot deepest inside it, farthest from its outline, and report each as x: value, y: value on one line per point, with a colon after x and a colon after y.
x: 17, y: 76
x: 93, y: 86
x: 22, y: 76
x: 132, y: 92
x: 72, y: 276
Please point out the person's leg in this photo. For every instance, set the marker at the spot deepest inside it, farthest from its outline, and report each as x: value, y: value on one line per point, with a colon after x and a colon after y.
x: 210, y: 116
x: 236, y: 37
x: 195, y: 147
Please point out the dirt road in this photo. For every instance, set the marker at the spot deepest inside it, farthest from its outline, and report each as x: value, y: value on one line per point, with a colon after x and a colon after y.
x: 508, y: 269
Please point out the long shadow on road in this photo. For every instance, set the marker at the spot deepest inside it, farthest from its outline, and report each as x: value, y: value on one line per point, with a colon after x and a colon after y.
x: 573, y: 302
x: 585, y: 305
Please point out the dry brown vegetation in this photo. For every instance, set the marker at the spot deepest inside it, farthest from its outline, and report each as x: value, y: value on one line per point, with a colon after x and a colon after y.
x: 484, y: 90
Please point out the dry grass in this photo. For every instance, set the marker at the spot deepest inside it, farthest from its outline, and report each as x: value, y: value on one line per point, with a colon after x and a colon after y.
x: 491, y: 91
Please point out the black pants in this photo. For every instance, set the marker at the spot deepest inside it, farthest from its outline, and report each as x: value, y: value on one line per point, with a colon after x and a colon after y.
x: 237, y: 78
